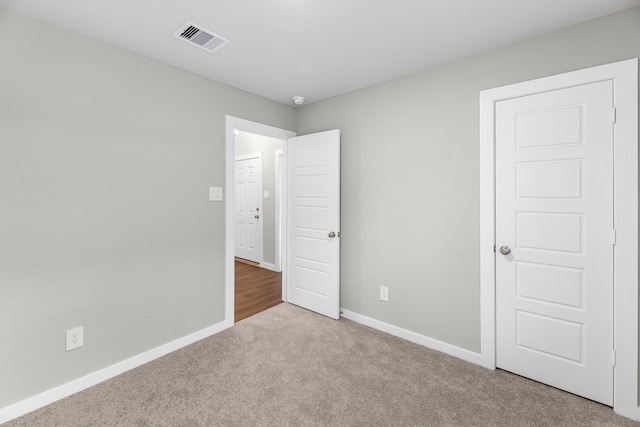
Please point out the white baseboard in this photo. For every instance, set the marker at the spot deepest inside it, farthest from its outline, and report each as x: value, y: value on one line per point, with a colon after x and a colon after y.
x: 38, y: 401
x: 269, y: 266
x: 425, y: 341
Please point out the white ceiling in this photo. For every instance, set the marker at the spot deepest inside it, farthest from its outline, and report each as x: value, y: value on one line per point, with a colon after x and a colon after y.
x: 314, y: 48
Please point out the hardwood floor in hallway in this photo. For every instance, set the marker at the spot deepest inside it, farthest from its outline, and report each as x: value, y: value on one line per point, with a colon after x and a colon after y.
x: 256, y: 289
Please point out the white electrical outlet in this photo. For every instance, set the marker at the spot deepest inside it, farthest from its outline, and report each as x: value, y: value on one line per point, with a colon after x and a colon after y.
x: 75, y: 338
x: 384, y: 293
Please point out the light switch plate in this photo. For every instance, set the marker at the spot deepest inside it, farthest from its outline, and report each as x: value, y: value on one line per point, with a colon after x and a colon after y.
x: 266, y: 194
x: 215, y: 194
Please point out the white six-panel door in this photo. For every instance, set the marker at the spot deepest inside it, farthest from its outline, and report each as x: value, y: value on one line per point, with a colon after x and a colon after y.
x: 313, y: 216
x: 554, y: 213
x: 248, y: 212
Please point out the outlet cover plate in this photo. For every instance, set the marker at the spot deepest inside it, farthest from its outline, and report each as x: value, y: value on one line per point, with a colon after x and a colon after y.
x: 384, y: 293
x: 75, y: 338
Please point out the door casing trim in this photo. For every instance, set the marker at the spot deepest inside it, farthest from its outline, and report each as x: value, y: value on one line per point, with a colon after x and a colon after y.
x: 279, y: 155
x: 624, y: 75
x: 231, y: 124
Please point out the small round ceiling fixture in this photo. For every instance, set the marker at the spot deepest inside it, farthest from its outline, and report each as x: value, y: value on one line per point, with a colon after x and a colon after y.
x: 299, y: 100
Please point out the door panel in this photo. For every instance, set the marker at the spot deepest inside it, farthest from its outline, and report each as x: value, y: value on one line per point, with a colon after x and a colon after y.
x: 248, y: 176
x: 549, y: 336
x: 550, y: 284
x: 557, y: 126
x: 549, y: 231
x: 549, y: 179
x: 554, y: 210
x: 313, y: 257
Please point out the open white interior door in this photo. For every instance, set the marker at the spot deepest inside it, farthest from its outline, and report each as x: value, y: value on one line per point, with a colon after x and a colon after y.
x: 313, y: 225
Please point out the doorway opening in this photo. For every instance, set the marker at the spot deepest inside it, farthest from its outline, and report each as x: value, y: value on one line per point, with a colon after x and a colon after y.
x: 257, y: 177
x: 258, y: 284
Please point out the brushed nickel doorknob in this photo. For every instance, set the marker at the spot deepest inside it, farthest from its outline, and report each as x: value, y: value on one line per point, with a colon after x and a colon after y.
x: 332, y: 234
x: 505, y: 250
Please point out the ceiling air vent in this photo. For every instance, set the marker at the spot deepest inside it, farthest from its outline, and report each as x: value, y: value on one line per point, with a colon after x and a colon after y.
x: 200, y: 37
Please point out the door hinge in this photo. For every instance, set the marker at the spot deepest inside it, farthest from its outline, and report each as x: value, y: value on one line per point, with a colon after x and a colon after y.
x: 613, y: 115
x: 613, y: 236
x: 613, y: 357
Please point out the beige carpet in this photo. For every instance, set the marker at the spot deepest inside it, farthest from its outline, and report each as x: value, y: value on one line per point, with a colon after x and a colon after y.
x: 291, y: 367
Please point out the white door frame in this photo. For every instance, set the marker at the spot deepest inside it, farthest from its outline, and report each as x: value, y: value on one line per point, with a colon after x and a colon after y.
x: 232, y: 124
x: 624, y: 75
x: 279, y: 153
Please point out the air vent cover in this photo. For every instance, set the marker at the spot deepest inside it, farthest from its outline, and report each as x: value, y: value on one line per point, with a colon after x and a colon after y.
x: 200, y: 37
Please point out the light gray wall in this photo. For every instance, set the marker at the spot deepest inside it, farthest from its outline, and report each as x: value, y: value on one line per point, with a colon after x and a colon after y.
x: 249, y: 143
x: 410, y: 193
x: 105, y: 162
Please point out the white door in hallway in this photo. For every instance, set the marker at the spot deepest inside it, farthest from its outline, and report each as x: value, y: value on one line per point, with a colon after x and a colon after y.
x: 555, y: 237
x: 248, y: 182
x: 313, y: 217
